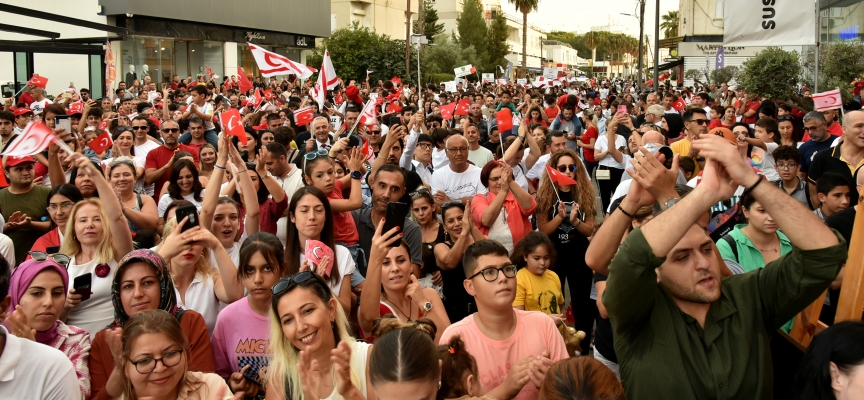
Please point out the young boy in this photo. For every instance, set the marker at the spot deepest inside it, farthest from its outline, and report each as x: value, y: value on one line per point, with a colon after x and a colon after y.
x: 832, y: 190
x: 500, y: 337
x: 787, y: 163
x: 766, y: 132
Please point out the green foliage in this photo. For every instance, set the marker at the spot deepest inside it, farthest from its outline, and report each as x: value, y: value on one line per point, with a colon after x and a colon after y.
x: 670, y: 24
x: 355, y: 50
x: 839, y: 64
x: 431, y: 27
x: 437, y: 78
x: 725, y: 74
x: 496, y: 44
x: 446, y: 56
x: 772, y: 73
x: 699, y: 76
x: 609, y: 45
x: 471, y: 26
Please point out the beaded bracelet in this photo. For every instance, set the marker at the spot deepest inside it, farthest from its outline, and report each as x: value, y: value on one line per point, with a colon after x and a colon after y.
x: 625, y: 212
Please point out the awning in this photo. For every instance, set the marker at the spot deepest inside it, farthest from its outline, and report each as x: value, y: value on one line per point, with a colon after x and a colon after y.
x: 668, y: 65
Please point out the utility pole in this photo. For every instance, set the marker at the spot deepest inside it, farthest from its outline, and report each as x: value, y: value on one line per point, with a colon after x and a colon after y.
x: 641, y: 43
x: 421, y: 29
x: 656, y: 48
x: 408, y: 38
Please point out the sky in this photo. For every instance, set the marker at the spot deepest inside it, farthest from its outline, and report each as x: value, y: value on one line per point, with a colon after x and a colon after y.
x: 570, y: 15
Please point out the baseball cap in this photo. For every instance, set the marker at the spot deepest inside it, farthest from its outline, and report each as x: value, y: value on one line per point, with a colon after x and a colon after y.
x: 22, y: 111
x: 12, y: 161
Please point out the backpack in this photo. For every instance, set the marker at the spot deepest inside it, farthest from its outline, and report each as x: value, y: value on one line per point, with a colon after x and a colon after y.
x: 732, y: 244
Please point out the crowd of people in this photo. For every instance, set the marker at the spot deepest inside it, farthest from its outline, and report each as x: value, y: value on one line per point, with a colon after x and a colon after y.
x: 417, y: 252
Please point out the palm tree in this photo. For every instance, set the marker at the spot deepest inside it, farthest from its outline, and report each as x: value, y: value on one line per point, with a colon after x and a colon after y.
x: 593, y: 40
x: 525, y: 7
x: 670, y: 24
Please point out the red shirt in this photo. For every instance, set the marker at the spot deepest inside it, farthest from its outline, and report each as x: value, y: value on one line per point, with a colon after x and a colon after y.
x: 552, y: 112
x: 717, y: 123
x: 858, y: 86
x: 270, y: 212
x: 753, y: 105
x: 835, y: 129
x: 50, y: 239
x: 590, y: 133
x: 344, y: 228
x: 161, y: 155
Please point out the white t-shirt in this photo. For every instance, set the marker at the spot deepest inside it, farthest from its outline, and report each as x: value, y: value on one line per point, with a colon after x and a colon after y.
x: 46, y: 179
x: 344, y: 262
x: 602, y: 144
x: 207, y: 108
x: 768, y: 162
x: 439, y: 158
x: 457, y: 185
x: 95, y: 313
x: 604, y: 93
x: 201, y: 297
x: 30, y: 370
x: 166, y: 199
x: 39, y: 106
x: 292, y: 182
x: 536, y: 170
x: 144, y: 149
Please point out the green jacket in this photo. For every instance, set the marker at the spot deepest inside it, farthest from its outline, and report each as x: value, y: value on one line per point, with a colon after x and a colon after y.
x: 664, y: 353
x: 749, y: 257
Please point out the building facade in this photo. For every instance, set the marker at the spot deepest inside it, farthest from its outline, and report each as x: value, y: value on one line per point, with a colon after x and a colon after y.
x: 560, y: 55
x: 841, y: 20
x: 385, y: 17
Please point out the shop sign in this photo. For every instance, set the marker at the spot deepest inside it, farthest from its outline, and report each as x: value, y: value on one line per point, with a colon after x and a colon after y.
x: 254, y: 35
x: 691, y: 49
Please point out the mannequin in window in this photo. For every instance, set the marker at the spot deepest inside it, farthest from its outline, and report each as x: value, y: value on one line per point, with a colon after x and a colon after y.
x: 131, y: 76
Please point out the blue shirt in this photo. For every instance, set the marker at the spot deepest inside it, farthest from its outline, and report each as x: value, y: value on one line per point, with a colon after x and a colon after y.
x: 809, y: 148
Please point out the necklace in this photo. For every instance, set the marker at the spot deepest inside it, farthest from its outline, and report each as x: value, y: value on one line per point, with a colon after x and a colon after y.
x: 774, y: 250
x: 397, y: 307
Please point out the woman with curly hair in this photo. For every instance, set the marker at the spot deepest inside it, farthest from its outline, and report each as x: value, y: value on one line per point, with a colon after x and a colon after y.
x: 569, y: 220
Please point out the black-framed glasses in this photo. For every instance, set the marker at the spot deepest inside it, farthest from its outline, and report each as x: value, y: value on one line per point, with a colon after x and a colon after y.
x: 491, y: 274
x: 571, y: 167
x: 170, y: 130
x: 785, y: 118
x: 425, y: 146
x: 140, y: 128
x: 289, y: 282
x: 699, y: 122
x: 786, y: 166
x: 147, y: 365
x: 59, y: 258
x: 458, y: 149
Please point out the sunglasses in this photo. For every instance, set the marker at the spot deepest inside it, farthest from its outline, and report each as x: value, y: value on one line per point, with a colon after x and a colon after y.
x: 141, y: 128
x: 170, y: 130
x: 419, y: 192
x: 564, y: 168
x: 289, y: 282
x: 60, y: 259
x: 699, y: 122
x: 319, y: 153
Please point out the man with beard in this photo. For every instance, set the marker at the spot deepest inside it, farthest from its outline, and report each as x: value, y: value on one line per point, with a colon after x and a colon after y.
x: 23, y: 205
x: 157, y: 168
x: 816, y: 125
x: 391, y: 154
x: 573, y: 128
x: 679, y: 331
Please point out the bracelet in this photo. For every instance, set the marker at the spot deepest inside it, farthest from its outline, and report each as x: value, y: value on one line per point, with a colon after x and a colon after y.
x: 625, y: 212
x: 750, y: 189
x: 239, y: 171
x: 219, y: 167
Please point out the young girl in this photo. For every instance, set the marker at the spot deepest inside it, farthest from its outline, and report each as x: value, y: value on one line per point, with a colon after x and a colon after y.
x: 242, y: 333
x: 538, y: 288
x: 207, y: 160
x: 459, y: 376
x: 319, y: 172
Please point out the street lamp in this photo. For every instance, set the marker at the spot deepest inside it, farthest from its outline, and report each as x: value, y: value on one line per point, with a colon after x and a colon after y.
x: 641, y: 19
x: 419, y: 40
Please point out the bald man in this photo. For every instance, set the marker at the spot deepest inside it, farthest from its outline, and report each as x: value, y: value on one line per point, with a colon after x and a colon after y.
x: 653, y: 141
x: 460, y: 180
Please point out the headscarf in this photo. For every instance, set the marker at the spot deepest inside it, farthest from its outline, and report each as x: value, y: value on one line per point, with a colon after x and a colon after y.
x: 21, y: 279
x: 167, y: 298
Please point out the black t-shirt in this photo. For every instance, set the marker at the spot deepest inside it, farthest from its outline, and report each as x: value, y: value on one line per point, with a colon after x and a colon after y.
x: 841, y: 222
x: 430, y: 265
x: 828, y: 160
x: 569, y: 243
x: 457, y: 302
x: 603, y: 331
x: 493, y: 147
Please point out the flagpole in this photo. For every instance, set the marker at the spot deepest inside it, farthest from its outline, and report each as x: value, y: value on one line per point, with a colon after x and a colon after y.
x: 816, y: 71
x: 358, y: 117
x: 553, y: 184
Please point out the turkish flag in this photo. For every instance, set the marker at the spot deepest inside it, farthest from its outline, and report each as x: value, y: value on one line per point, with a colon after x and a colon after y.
x: 76, y: 108
x: 679, y: 104
x: 558, y: 177
x: 315, y: 253
x: 101, y: 143
x: 232, y: 124
x: 268, y: 94
x: 473, y: 70
x: 259, y: 97
x: 368, y: 154
x: 504, y: 120
x: 827, y: 100
x: 209, y: 71
x: 104, y: 125
x: 462, y: 107
x: 38, y: 81
x: 35, y: 138
x: 393, y: 108
x: 245, y: 83
x: 303, y: 116
x: 397, y: 81
x: 447, y: 111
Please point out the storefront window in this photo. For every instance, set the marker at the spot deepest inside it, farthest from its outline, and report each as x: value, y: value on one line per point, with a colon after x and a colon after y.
x: 245, y: 59
x: 843, y: 23
x: 206, y: 54
x: 143, y: 57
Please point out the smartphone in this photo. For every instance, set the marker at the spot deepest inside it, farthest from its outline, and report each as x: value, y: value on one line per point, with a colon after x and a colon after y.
x: 395, y: 216
x: 622, y: 109
x: 81, y: 284
x: 63, y: 121
x: 187, y: 211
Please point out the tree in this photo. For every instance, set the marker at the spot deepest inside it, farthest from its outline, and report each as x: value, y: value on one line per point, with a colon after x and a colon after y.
x: 670, y: 24
x: 773, y: 73
x: 525, y: 7
x: 355, y: 50
x: 471, y: 26
x: 446, y: 55
x: 431, y: 27
x: 496, y: 43
x: 592, y: 41
x: 715, y: 76
x: 839, y: 64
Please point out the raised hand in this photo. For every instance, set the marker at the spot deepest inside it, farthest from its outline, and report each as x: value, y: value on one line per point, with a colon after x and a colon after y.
x: 238, y: 383
x: 414, y: 292
x: 341, y: 359
x: 355, y: 162
x: 310, y: 376
x: 652, y: 175
x: 19, y: 325
x: 381, y: 242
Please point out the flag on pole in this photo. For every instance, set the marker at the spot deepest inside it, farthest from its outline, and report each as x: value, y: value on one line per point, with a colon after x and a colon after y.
x: 303, y: 116
x: 101, y: 143
x: 245, y: 83
x: 368, y: 154
x: 369, y: 116
x: 504, y: 119
x: 209, y: 71
x: 462, y: 107
x: 327, y: 80
x: 558, y: 177
x: 35, y: 138
x: 272, y: 64
x: 232, y: 124
x: 447, y: 111
x: 38, y: 81
x: 110, y: 70
x: 827, y: 100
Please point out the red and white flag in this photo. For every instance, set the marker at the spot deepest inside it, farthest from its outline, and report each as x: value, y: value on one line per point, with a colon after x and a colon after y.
x: 463, y: 107
x: 272, y: 64
x: 394, y: 108
x: 558, y: 177
x: 101, y: 143
x: 38, y: 81
x: 368, y: 154
x: 326, y: 77
x: 303, y: 116
x: 245, y: 83
x: 827, y: 100
x: 397, y: 81
x: 369, y: 116
x: 76, y: 108
x: 110, y: 70
x: 209, y: 71
x: 504, y: 119
x: 232, y: 123
x: 35, y: 138
x: 315, y: 253
x: 104, y: 125
x: 447, y: 111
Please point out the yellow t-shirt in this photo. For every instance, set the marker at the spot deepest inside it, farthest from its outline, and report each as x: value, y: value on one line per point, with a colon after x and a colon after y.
x: 682, y: 148
x: 539, y: 293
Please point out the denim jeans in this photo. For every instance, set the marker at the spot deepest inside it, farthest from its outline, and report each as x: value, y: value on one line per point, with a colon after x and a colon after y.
x: 210, y: 136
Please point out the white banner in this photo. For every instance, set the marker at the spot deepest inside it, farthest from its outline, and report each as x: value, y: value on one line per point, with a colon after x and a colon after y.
x: 463, y: 71
x: 550, y: 73
x: 488, y: 77
x: 450, y: 86
x: 752, y: 23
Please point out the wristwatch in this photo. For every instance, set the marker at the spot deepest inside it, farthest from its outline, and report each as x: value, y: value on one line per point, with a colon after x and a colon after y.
x: 356, y: 175
x: 427, y: 306
x: 669, y: 203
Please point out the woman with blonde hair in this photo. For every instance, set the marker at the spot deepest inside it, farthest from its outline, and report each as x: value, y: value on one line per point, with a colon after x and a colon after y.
x: 97, y: 236
x: 567, y: 217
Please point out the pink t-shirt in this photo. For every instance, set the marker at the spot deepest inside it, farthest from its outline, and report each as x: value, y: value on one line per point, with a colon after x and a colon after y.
x: 535, y: 332
x: 241, y: 337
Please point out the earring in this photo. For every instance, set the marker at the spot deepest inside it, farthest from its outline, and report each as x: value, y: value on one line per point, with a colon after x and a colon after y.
x: 439, y: 385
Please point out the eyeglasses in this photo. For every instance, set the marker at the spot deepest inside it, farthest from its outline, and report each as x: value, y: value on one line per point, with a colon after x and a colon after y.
x: 52, y: 208
x: 458, y: 149
x: 564, y: 168
x: 141, y: 128
x: 425, y: 146
x: 147, y: 365
x: 419, y: 192
x: 287, y: 283
x: 812, y: 128
x: 699, y: 122
x: 374, y: 132
x: 170, y: 130
x: 58, y: 258
x: 491, y: 274
x: 785, y: 118
x: 786, y: 166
